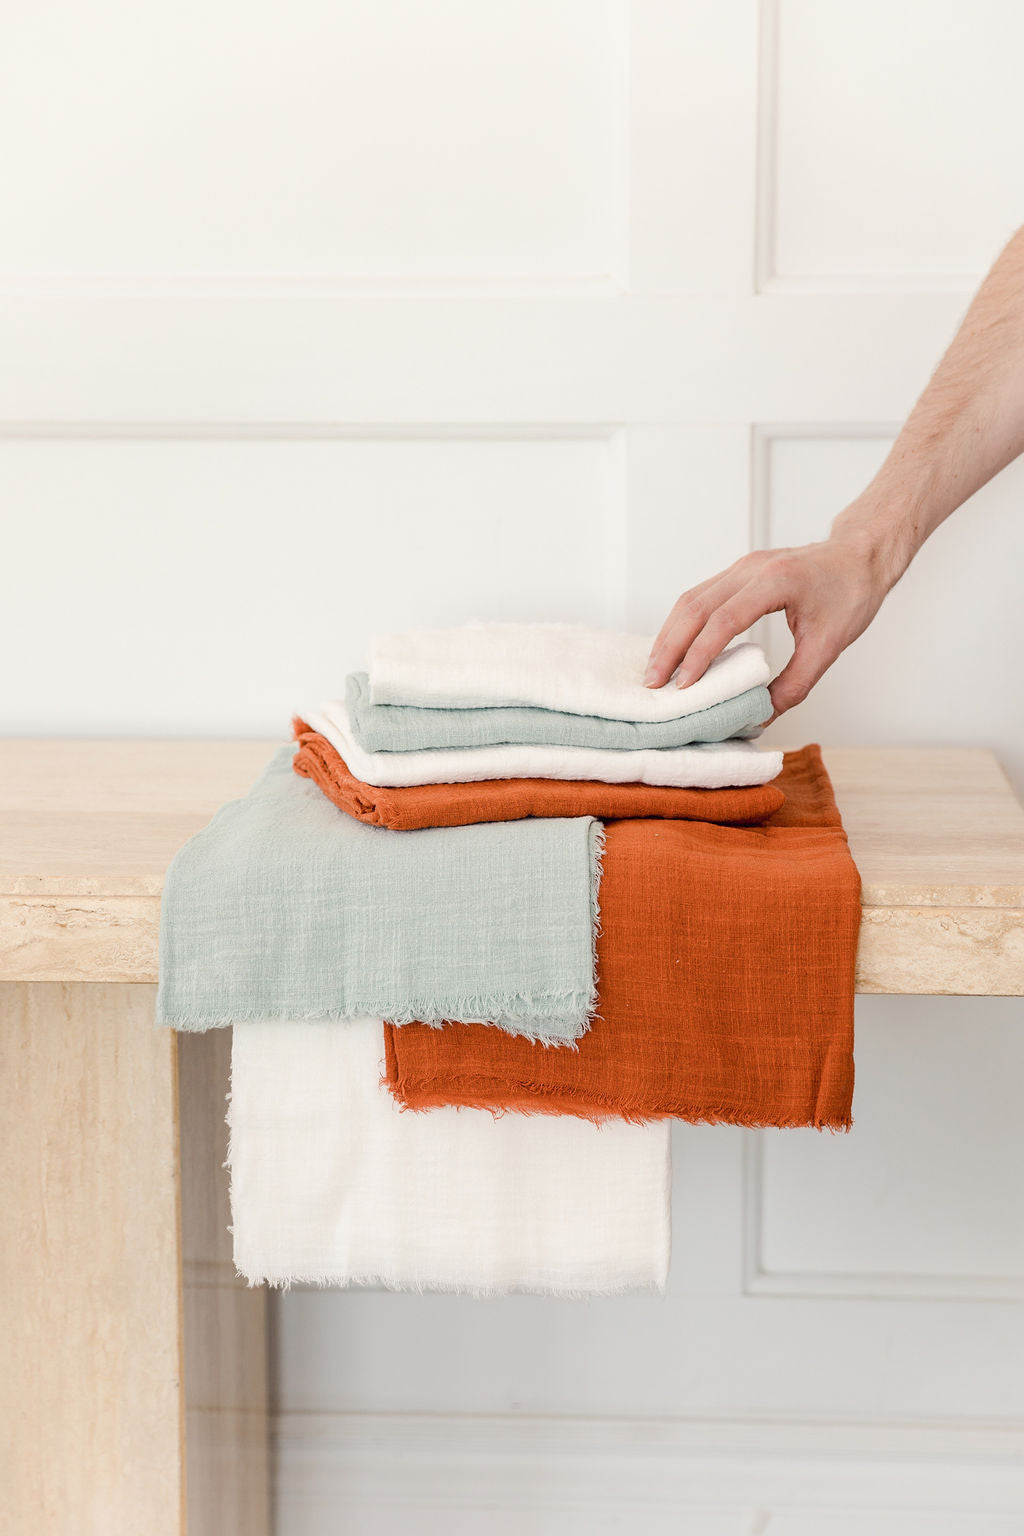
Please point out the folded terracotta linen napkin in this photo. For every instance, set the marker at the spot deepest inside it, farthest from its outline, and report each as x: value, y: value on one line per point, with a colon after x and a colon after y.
x: 282, y: 909
x: 548, y: 666
x: 452, y: 805
x: 725, y: 982
x: 332, y: 1184
x: 714, y: 765
x: 408, y: 728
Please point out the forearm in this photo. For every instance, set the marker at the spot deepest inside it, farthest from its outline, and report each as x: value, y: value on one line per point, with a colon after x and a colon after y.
x: 967, y: 425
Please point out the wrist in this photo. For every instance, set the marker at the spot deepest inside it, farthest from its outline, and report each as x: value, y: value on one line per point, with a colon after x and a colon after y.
x: 882, y: 536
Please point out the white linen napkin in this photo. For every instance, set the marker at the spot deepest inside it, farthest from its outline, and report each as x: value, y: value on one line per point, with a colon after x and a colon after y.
x: 552, y: 666
x: 333, y: 1184
x: 710, y: 765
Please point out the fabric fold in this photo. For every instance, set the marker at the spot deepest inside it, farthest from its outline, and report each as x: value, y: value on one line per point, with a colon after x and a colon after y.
x: 725, y: 982
x: 548, y: 666
x: 449, y: 805
x: 716, y: 765
x: 282, y: 908
x: 408, y: 728
x: 331, y: 1184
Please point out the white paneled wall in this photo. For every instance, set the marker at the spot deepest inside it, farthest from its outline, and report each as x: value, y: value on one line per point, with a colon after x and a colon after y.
x: 358, y: 142
x: 900, y: 1208
x: 236, y: 572
x: 893, y: 126
x: 326, y: 317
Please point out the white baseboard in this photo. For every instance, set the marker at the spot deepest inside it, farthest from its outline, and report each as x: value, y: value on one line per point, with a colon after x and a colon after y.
x: 381, y: 1474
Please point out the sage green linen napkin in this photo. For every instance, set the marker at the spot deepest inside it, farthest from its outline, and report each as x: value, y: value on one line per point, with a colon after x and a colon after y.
x: 283, y: 907
x: 406, y: 728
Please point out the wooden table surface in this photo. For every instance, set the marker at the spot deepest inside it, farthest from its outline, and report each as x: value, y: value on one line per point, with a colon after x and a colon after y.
x: 87, y: 829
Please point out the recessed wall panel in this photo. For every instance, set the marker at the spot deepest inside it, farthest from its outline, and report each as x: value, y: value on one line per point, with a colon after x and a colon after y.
x: 896, y: 138
x: 375, y: 141
x: 926, y: 1184
x: 206, y: 586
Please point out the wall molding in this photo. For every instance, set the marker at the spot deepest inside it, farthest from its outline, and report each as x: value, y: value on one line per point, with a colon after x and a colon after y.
x: 767, y: 278
x: 556, y: 1473
x: 763, y: 436
x: 847, y: 1285
x: 322, y: 284
x: 612, y: 435
x: 311, y: 431
x: 331, y: 283
x: 767, y: 169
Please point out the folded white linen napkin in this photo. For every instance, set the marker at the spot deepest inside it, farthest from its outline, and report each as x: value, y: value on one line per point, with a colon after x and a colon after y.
x: 332, y: 1183
x: 710, y: 765
x: 551, y: 666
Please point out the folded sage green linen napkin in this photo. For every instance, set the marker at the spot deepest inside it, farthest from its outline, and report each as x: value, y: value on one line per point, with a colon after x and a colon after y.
x: 283, y: 907
x: 408, y: 728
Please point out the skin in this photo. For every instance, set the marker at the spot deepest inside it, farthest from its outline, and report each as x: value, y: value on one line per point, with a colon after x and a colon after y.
x: 966, y: 427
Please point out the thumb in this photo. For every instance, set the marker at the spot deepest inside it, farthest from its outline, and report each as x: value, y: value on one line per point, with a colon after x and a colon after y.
x: 809, y: 662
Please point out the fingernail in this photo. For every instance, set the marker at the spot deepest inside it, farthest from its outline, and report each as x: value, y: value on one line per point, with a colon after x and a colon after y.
x: 649, y: 677
x: 682, y: 679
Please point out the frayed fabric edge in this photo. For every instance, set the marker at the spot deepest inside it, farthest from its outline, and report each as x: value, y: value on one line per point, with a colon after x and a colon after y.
x: 576, y: 1026
x: 534, y: 1102
x: 324, y: 1280
x: 596, y: 846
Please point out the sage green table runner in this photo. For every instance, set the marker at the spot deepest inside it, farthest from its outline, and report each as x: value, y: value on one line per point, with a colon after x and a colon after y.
x: 283, y: 907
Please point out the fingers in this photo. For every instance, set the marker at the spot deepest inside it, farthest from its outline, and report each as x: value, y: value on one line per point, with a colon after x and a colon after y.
x: 805, y: 582
x: 692, y: 610
x: 808, y: 663
x: 684, y: 623
x: 728, y: 619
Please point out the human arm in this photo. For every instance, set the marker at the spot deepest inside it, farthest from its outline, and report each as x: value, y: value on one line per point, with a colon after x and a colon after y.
x: 967, y: 425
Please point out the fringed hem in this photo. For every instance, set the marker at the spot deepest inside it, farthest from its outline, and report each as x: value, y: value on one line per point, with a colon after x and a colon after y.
x: 468, y: 1011
x: 544, y: 1100
x: 482, y: 1292
x: 596, y: 845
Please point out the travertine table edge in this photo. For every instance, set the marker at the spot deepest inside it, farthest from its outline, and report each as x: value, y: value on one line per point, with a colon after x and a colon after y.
x: 114, y: 1173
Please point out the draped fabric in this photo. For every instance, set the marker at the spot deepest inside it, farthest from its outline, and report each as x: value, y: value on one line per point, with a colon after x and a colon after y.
x: 283, y: 908
x: 332, y: 1184
x: 725, y: 982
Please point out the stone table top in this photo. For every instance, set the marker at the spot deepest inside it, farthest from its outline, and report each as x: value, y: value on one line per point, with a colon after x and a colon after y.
x: 88, y: 828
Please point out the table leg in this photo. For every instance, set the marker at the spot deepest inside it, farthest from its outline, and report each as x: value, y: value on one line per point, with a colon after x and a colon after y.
x: 93, y: 1396
x: 225, y: 1319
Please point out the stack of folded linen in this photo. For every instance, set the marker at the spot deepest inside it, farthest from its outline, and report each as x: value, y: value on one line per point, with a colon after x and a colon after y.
x: 546, y: 702
x: 502, y: 786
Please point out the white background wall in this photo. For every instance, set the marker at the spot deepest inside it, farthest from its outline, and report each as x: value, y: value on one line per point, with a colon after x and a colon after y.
x: 340, y: 315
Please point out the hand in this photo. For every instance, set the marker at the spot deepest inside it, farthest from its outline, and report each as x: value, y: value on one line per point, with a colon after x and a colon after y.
x: 830, y: 593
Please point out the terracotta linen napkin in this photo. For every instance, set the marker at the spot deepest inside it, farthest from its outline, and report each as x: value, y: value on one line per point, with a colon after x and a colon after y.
x: 459, y: 805
x: 725, y: 982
